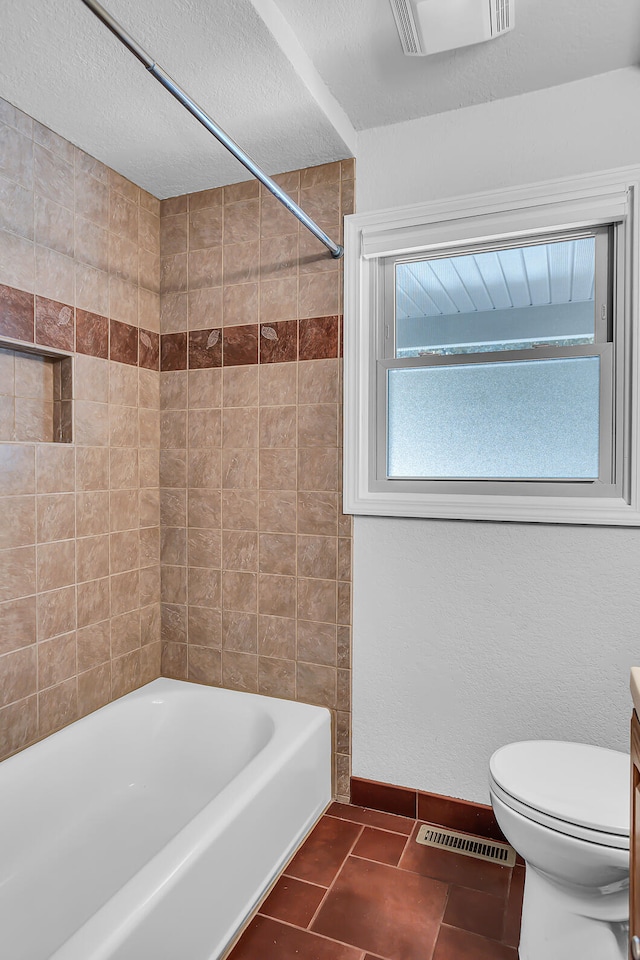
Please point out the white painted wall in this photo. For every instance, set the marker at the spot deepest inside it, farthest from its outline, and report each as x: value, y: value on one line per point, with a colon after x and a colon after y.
x: 468, y: 635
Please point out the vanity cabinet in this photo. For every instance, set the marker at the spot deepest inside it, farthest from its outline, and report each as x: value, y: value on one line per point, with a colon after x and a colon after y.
x: 634, y: 845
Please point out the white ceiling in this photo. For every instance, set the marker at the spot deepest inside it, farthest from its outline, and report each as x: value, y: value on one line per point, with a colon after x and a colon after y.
x: 290, y: 80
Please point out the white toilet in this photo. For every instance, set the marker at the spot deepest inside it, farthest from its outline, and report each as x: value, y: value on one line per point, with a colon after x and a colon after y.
x: 564, y: 807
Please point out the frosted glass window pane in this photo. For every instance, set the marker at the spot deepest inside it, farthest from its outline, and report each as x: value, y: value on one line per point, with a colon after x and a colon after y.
x: 535, y: 419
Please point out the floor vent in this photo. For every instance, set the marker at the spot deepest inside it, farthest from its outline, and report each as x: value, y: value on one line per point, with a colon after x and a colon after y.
x: 469, y: 846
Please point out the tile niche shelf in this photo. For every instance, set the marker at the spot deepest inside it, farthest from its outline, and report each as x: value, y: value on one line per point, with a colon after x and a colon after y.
x: 36, y: 390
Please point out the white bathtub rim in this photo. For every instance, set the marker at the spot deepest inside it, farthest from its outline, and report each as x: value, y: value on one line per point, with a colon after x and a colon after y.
x: 113, y: 921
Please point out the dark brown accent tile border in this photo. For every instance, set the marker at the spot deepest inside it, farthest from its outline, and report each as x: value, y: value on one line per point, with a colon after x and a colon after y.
x: 205, y: 349
x: 55, y: 324
x: 37, y: 320
x: 149, y: 350
x: 279, y: 342
x: 17, y: 314
x: 173, y: 351
x: 123, y: 343
x: 240, y: 345
x: 284, y: 341
x: 318, y: 338
x: 464, y: 815
x: 92, y: 334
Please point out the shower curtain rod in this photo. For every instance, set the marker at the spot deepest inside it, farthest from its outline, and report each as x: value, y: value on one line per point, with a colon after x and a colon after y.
x: 335, y: 249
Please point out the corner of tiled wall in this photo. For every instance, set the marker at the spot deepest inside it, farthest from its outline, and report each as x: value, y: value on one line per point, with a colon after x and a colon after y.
x: 79, y: 554
x: 256, y: 553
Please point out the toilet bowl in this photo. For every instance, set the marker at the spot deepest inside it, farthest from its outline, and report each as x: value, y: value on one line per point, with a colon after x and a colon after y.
x: 564, y: 807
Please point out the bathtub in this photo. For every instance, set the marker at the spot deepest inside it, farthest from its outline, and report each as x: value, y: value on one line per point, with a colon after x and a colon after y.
x: 150, y: 829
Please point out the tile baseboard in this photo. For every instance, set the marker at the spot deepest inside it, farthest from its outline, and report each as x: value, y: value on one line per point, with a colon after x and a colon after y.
x: 464, y: 815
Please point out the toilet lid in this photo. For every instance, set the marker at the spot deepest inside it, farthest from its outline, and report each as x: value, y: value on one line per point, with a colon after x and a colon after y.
x: 574, y: 782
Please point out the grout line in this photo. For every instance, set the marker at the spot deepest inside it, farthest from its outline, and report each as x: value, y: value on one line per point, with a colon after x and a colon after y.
x: 395, y: 833
x: 337, y: 874
x: 322, y: 936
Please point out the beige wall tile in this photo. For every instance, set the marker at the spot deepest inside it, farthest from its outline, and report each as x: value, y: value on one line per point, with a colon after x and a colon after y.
x: 239, y: 631
x: 123, y: 509
x: 278, y: 511
x: 319, y: 381
x: 317, y: 600
x: 124, y: 550
x: 92, y: 289
x: 19, y: 526
x: 56, y: 660
x: 239, y: 591
x: 318, y: 468
x: 17, y: 624
x: 204, y: 665
x: 56, y: 516
x: 204, y: 587
x: 278, y: 426
x: 278, y: 384
x: 317, y: 642
x: 204, y: 547
x: 204, y: 428
x: 17, y: 573
x: 16, y: 156
x: 239, y: 468
x: 92, y: 468
x: 204, y: 627
x: 204, y: 509
x: 240, y: 550
x: 276, y: 595
x: 93, y: 602
x: 316, y: 684
x: 173, y: 627
x: 18, y: 725
x: 317, y: 557
x: 57, y: 707
x: 278, y: 469
x: 16, y: 209
x: 240, y: 304
x: 278, y: 554
x: 125, y: 592
x: 205, y: 388
x: 174, y: 661
x: 240, y: 671
x: 18, y: 675
x: 94, y: 688
x: 125, y: 633
x: 123, y: 384
x: 277, y: 678
x: 125, y: 674
x: 240, y: 386
x: 276, y: 637
x: 17, y: 261
x: 56, y: 612
x: 17, y: 469
x: 92, y: 558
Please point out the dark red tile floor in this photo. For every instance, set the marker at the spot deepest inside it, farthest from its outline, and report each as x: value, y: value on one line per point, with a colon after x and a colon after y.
x: 361, y: 888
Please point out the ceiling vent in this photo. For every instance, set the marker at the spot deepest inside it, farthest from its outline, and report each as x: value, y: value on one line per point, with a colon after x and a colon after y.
x: 431, y: 26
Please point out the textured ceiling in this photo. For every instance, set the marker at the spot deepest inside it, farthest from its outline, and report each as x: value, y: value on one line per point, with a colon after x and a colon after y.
x: 290, y: 80
x: 354, y: 45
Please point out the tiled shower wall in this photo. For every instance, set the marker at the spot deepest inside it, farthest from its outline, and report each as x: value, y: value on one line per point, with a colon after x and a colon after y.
x: 79, y: 535
x: 256, y: 553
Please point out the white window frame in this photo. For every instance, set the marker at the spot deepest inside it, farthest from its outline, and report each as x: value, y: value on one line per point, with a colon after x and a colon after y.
x: 498, y: 217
